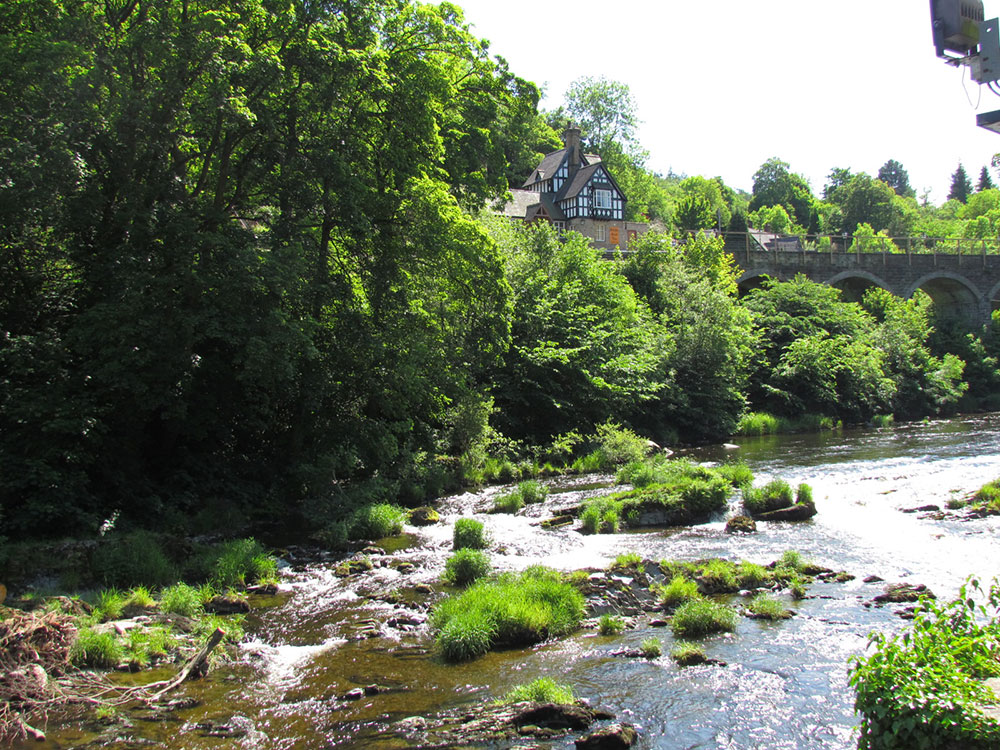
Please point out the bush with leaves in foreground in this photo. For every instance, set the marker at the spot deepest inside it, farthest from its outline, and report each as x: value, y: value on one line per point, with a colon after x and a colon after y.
x: 512, y: 610
x: 923, y: 688
x: 469, y: 534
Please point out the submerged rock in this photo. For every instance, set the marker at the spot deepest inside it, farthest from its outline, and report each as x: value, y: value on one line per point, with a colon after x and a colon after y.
x: 896, y: 593
x: 614, y: 737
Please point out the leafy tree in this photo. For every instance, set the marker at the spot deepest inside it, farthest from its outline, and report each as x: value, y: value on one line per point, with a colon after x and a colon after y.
x: 837, y: 179
x: 692, y: 290
x: 865, y: 200
x: 604, y: 109
x: 239, y: 273
x: 985, y: 181
x: 584, y: 349
x: 816, y: 353
x: 773, y: 219
x: 961, y: 186
x: 775, y: 185
x: 893, y: 175
x: 694, y: 212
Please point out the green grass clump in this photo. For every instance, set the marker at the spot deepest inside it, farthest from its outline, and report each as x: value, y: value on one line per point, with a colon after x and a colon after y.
x: 619, y: 445
x: 512, y: 610
x: 701, y: 617
x: 469, y: 534
x: 767, y: 608
x: 803, y: 494
x: 685, y: 652
x: 140, y: 596
x: 797, y: 587
x: 751, y: 576
x: 533, y: 492
x: 883, y: 420
x: 243, y: 561
x: 542, y: 690
x: 181, y: 599
x: 737, y: 473
x: 757, y: 423
x: 601, y: 515
x: 377, y: 521
x: 145, y: 645
x: 774, y: 495
x: 793, y: 561
x: 610, y: 625
x: 110, y: 603
x: 627, y: 560
x: 99, y: 650
x: 718, y: 577
x: 651, y: 648
x: 987, y: 497
x: 679, y: 590
x: 512, y: 502
x: 465, y: 566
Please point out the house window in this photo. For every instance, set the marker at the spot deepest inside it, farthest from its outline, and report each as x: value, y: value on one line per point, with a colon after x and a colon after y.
x: 602, y: 199
x: 613, y: 236
x: 560, y: 226
x: 601, y: 233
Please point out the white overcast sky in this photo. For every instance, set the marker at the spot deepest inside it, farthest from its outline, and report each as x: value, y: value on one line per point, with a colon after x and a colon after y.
x: 723, y: 85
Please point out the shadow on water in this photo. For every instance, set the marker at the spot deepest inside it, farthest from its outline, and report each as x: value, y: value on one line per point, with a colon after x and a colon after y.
x: 785, y: 685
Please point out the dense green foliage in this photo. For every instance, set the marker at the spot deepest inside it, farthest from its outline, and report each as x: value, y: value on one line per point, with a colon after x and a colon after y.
x: 512, y: 610
x: 700, y: 617
x: 542, y: 690
x: 921, y: 688
x: 469, y: 534
x: 465, y: 566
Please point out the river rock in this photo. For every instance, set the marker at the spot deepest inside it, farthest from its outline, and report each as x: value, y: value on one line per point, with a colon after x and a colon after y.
x: 556, y: 716
x: 903, y: 592
x: 424, y: 516
x: 557, y: 521
x: 741, y: 525
x: 227, y: 605
x: 614, y: 737
x: 922, y: 509
x: 798, y: 512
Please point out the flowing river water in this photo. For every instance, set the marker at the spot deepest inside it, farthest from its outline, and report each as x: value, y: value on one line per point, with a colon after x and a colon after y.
x: 785, y: 684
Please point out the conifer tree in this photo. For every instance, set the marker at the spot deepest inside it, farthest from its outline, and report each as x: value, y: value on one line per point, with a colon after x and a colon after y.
x: 985, y: 181
x: 961, y: 185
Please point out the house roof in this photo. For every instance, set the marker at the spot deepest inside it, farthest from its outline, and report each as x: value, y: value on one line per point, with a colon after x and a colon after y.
x: 550, y: 164
x: 520, y: 200
x: 546, y: 207
x: 579, y: 181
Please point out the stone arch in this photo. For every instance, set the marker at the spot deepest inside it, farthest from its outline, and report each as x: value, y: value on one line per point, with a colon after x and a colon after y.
x: 953, y: 294
x: 854, y: 283
x: 754, y: 279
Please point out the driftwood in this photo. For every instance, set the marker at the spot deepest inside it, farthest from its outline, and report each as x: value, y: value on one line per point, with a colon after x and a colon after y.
x: 194, y: 665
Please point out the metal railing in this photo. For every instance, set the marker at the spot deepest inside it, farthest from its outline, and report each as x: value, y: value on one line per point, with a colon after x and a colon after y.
x: 920, y: 245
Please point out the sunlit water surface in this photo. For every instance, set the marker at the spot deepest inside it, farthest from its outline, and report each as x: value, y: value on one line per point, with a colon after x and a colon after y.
x: 785, y: 684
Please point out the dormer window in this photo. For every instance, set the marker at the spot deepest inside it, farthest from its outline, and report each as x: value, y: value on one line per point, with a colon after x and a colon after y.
x: 602, y: 198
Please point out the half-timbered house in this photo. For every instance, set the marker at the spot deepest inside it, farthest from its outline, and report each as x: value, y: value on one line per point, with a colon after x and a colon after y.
x: 575, y: 191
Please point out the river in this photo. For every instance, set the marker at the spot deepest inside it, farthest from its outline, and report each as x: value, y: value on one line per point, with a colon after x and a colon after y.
x: 784, y: 686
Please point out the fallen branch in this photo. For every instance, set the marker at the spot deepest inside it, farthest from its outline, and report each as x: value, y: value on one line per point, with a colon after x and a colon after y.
x: 195, y: 664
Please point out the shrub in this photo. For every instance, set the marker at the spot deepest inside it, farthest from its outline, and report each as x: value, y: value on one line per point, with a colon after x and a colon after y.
x: 797, y: 587
x: 377, y: 521
x: 144, y: 644
x: 987, y: 497
x: 100, y: 650
x: 140, y: 596
x: 533, y: 491
x: 466, y: 566
x: 610, y: 625
x: 181, y: 599
x: 700, y: 617
x: 738, y: 474
x: 600, y: 515
x: 803, y: 494
x: 651, y: 648
x: 511, y: 610
x: 923, y: 688
x: 542, y: 690
x: 767, y: 608
x: 619, y: 445
x: 132, y: 560
x: 678, y: 591
x: 469, y: 534
x: 241, y: 560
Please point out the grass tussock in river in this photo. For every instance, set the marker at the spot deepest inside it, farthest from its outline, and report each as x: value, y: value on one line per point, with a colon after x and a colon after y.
x: 511, y: 610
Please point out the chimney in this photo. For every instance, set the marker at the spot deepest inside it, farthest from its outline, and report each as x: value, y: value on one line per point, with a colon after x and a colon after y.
x: 571, y: 141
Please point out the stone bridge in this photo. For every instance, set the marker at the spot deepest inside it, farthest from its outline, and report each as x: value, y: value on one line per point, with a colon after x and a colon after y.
x: 961, y: 285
